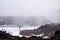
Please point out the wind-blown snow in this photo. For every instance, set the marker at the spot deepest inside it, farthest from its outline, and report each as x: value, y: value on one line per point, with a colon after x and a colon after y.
x: 27, y: 27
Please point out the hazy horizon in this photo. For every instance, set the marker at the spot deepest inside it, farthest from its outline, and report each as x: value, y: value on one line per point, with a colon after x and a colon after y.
x: 49, y: 9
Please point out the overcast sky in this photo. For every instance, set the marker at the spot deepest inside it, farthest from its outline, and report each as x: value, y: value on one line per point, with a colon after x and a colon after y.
x: 47, y: 8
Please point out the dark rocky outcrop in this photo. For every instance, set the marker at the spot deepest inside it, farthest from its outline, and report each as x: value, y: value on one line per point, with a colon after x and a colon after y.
x: 47, y: 29
x: 7, y: 36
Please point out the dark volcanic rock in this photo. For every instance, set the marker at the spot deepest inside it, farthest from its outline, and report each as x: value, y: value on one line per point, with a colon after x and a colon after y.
x: 47, y: 29
x: 7, y: 36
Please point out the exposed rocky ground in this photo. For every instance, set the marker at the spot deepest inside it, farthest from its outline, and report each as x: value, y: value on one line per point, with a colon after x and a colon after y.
x: 47, y: 30
x: 7, y: 36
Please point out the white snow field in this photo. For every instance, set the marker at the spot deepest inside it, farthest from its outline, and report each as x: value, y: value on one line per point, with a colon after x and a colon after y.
x: 15, y: 30
x: 11, y: 30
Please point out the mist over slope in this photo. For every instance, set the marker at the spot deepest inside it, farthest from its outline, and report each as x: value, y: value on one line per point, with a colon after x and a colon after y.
x: 22, y: 20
